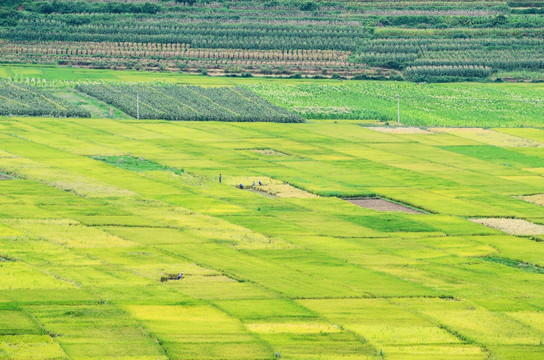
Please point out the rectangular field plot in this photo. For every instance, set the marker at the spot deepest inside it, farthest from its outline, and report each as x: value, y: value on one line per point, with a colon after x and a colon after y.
x: 293, y: 327
x: 16, y: 322
x: 512, y: 226
x: 17, y: 275
x: 475, y: 322
x: 429, y: 105
x: 31, y: 347
x: 70, y: 234
x: 97, y: 332
x: 490, y: 137
x: 189, y: 102
x: 381, y: 321
x: 439, y: 352
x: 536, y: 199
x: 199, y: 332
x: 498, y: 155
x: 21, y: 99
x: 324, y: 345
x: 391, y: 223
x: 248, y: 310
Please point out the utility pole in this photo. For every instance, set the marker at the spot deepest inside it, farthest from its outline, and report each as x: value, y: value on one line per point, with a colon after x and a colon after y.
x: 138, y: 105
x: 398, y: 109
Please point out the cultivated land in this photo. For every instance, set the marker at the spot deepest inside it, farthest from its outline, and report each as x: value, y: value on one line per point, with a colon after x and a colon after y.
x: 431, y: 40
x: 96, y: 215
x: 337, y: 234
x: 93, y: 92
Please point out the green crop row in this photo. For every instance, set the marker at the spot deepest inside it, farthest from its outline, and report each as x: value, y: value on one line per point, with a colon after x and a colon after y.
x: 22, y: 99
x: 171, y: 102
x: 420, y: 104
x: 390, y: 35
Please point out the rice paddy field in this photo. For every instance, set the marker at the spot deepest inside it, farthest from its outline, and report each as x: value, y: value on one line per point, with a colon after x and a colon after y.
x: 100, y: 217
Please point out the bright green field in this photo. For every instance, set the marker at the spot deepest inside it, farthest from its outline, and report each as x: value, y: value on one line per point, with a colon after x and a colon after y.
x: 84, y: 242
x: 452, y: 104
x: 449, y: 104
x: 64, y: 74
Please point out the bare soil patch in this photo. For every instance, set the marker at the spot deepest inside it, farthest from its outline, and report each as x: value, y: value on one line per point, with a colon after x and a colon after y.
x: 383, y: 205
x: 283, y: 191
x: 512, y: 226
x: 462, y: 130
x: 491, y: 137
x: 266, y: 186
x: 262, y: 192
x: 535, y: 199
x: 269, y: 152
x: 400, y: 130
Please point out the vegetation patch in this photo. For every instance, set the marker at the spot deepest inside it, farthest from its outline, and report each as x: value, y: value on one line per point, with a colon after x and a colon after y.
x: 293, y: 328
x: 477, y: 105
x: 173, y: 102
x: 6, y: 258
x: 168, y: 277
x: 515, y: 264
x: 134, y: 163
x: 5, y: 175
x: 498, y: 155
x: 491, y: 137
x: 27, y: 100
x: 390, y: 223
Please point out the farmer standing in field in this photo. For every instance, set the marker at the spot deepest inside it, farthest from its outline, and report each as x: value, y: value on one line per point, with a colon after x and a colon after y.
x: 220, y: 178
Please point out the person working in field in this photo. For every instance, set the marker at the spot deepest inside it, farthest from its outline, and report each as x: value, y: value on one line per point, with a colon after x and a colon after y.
x: 220, y: 178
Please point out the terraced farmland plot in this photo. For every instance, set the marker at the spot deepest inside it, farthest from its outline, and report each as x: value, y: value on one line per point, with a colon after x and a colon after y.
x: 99, y: 218
x: 419, y: 41
x: 170, y: 96
x: 21, y: 99
x: 170, y: 102
x: 480, y: 105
